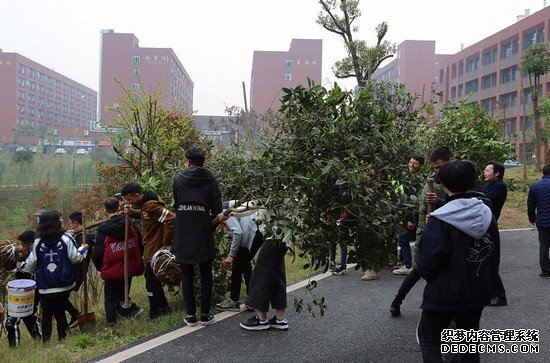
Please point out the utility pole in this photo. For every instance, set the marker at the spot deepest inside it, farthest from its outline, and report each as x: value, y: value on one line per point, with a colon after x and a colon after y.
x: 245, y: 103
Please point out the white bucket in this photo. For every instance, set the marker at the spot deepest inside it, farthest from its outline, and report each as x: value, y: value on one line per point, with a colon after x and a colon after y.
x: 21, y: 297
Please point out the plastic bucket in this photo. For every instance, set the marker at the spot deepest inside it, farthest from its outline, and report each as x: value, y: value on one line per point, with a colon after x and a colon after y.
x: 21, y: 297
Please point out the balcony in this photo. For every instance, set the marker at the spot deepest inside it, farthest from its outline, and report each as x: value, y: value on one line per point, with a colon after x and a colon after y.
x: 453, y: 81
x: 487, y: 92
x: 489, y: 68
x: 507, y: 87
x: 510, y: 111
x: 510, y: 61
x: 471, y: 75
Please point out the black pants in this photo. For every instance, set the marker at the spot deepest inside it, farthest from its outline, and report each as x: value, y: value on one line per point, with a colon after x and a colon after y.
x: 544, y: 246
x: 268, y: 281
x: 432, y: 324
x: 114, y: 295
x: 187, y: 277
x: 155, y: 292
x: 12, y: 327
x: 73, y: 312
x: 242, y: 265
x: 53, y: 305
x: 412, y: 278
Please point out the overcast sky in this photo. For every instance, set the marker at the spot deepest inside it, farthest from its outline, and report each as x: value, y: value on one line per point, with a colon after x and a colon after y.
x: 215, y: 39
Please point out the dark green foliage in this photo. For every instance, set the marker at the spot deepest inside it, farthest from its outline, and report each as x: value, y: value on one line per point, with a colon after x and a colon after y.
x: 23, y: 156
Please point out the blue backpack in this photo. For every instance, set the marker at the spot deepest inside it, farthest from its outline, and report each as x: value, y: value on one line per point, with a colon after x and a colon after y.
x: 54, y: 269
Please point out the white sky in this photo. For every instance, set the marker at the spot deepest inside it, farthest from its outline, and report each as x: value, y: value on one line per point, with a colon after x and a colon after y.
x: 215, y: 39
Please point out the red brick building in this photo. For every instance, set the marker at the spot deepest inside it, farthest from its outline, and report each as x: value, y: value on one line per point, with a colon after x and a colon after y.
x: 37, y: 99
x: 137, y: 67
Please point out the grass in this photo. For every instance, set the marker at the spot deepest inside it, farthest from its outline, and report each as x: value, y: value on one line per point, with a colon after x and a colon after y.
x: 514, y: 212
x: 79, y: 347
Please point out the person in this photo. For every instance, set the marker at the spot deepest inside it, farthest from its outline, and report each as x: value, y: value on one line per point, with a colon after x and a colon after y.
x: 197, y: 201
x: 496, y: 191
x: 538, y: 211
x: 26, y: 240
x: 458, y: 257
x: 340, y: 269
x: 246, y: 241
x: 410, y: 221
x: 268, y: 286
x: 108, y: 258
x: 157, y: 225
x: 52, y: 256
x: 438, y: 157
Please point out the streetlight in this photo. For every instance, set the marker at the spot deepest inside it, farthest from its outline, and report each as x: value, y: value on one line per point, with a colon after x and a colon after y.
x: 74, y: 162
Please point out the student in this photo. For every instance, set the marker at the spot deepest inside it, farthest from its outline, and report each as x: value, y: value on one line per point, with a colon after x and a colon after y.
x: 108, y: 258
x: 52, y: 256
x: 157, y: 225
x: 31, y: 322
x: 458, y: 257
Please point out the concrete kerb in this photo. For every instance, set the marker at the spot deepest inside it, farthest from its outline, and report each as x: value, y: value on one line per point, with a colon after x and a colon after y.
x: 165, y: 338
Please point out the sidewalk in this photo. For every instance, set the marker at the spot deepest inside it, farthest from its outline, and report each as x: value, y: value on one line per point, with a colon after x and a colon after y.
x: 357, y: 326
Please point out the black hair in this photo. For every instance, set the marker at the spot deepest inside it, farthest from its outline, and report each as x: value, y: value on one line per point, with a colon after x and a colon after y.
x: 419, y: 158
x: 111, y: 205
x: 459, y: 176
x: 497, y: 168
x: 131, y: 188
x: 49, y: 226
x: 27, y: 237
x: 546, y: 169
x: 76, y: 217
x: 196, y: 156
x: 441, y: 153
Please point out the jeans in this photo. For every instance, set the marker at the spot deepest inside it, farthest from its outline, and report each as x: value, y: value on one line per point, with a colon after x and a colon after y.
x: 408, y: 283
x: 242, y: 266
x: 155, y: 292
x: 54, y: 306
x: 343, y: 253
x: 187, y: 277
x: 268, y: 281
x: 403, y: 240
x: 432, y: 324
x: 544, y: 246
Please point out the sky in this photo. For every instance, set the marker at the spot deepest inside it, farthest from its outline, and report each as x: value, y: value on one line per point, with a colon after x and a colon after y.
x: 215, y: 39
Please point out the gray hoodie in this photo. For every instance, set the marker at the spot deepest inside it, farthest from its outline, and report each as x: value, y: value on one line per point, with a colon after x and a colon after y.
x: 470, y: 216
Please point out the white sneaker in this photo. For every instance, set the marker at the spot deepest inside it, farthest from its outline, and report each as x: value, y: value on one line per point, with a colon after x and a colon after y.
x: 369, y: 275
x: 402, y: 271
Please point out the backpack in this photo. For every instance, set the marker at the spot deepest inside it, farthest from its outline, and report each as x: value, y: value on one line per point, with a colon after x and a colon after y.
x: 53, y: 269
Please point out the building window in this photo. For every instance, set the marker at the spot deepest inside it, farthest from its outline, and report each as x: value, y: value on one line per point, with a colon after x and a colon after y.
x: 135, y: 59
x: 288, y: 63
x: 135, y: 86
x: 135, y: 72
x: 288, y: 77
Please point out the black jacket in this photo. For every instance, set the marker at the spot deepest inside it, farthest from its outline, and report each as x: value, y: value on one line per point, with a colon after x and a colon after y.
x: 458, y: 255
x: 197, y: 201
x: 497, y: 192
x: 114, y: 227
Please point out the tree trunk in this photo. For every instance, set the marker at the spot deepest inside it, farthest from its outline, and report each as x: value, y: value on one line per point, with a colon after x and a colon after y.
x: 537, y: 129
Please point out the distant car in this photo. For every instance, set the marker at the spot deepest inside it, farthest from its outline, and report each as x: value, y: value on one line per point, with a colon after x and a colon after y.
x: 34, y: 149
x: 60, y: 150
x: 82, y: 152
x: 20, y: 148
x: 511, y: 164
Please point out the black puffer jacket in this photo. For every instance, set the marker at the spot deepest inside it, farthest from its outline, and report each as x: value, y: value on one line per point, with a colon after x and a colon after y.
x: 197, y: 201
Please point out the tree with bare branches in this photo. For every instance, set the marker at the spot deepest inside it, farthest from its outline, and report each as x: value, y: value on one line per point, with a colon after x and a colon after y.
x: 338, y: 16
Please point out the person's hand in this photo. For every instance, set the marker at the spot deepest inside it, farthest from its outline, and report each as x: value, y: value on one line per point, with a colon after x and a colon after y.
x: 431, y: 198
x: 19, y: 248
x: 411, y: 226
x: 222, y: 217
x: 127, y: 208
x: 227, y: 263
x: 427, y: 218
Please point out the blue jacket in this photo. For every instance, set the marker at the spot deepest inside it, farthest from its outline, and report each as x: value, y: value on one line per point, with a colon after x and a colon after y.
x: 497, y: 192
x: 458, y: 255
x: 538, y: 202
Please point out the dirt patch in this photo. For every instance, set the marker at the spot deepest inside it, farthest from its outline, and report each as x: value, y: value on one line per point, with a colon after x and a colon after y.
x: 513, y: 218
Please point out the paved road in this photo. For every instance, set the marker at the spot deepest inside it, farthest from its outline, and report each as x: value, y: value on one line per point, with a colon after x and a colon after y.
x: 358, y: 327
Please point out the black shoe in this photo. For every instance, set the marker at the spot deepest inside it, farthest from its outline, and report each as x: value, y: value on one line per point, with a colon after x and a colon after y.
x: 254, y: 323
x: 278, y: 324
x: 498, y: 301
x: 207, y: 319
x: 190, y: 320
x: 340, y: 270
x: 545, y: 275
x: 395, y: 310
x: 331, y: 266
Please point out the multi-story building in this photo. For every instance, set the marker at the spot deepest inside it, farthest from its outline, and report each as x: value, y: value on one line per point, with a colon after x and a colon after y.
x: 489, y: 72
x: 140, y: 69
x: 416, y: 66
x: 273, y: 70
x: 36, y: 101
